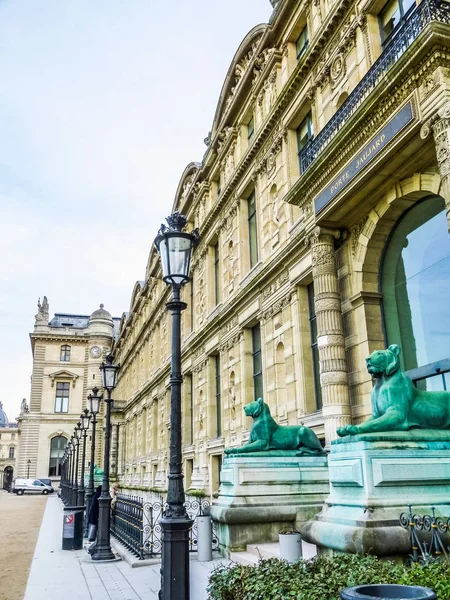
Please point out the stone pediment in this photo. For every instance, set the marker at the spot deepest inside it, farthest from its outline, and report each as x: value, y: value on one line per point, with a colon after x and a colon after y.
x: 63, y: 374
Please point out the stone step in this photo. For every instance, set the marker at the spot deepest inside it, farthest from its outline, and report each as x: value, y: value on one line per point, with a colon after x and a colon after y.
x: 244, y: 558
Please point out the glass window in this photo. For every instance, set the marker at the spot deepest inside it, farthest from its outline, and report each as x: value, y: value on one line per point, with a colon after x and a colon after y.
x: 305, y: 132
x: 65, y: 354
x: 302, y: 42
x: 257, y: 362
x: 252, y: 231
x: 57, y: 447
x: 216, y: 274
x: 314, y: 347
x: 415, y: 284
x: 218, y: 399
x: 391, y: 15
x: 251, y: 131
x: 11, y: 452
x: 62, y: 397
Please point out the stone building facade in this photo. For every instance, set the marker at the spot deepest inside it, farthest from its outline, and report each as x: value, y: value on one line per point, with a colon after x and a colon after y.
x: 323, y: 206
x: 67, y: 352
x: 9, y: 441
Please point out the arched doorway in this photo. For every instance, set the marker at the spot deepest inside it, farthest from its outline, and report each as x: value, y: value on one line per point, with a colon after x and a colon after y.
x: 415, y: 286
x: 8, y: 478
x: 57, y: 447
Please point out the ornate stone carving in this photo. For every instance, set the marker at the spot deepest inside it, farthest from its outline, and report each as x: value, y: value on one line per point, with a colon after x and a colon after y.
x: 356, y: 232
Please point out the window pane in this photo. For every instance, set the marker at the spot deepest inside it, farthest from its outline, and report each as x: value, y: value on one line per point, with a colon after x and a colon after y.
x: 302, y: 43
x: 389, y: 18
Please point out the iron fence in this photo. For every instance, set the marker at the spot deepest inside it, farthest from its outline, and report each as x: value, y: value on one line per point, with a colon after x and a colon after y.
x: 401, y: 39
x: 135, y: 523
x: 427, y: 534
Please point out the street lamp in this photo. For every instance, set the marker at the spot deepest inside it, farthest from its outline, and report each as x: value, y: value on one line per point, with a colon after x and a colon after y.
x: 103, y: 551
x: 94, y: 406
x: 84, y: 425
x: 28, y: 468
x: 77, y: 438
x: 175, y: 248
x: 72, y: 468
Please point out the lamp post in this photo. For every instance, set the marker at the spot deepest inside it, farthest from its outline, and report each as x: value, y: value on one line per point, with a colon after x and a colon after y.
x: 63, y: 475
x: 103, y: 551
x: 175, y: 248
x: 28, y: 468
x: 94, y: 406
x: 84, y: 424
x: 77, y: 437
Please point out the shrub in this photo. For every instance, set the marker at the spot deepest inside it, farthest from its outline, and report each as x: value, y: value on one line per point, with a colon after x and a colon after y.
x: 321, y: 578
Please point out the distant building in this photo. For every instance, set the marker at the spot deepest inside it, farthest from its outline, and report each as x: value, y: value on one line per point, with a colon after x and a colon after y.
x: 67, y: 352
x: 9, y: 441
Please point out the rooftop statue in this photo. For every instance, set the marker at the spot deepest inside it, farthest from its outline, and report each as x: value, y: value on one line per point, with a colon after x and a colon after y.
x: 267, y: 438
x: 397, y: 405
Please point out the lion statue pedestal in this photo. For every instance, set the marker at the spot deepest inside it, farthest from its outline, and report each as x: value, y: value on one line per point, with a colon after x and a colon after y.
x: 259, y: 495
x: 373, y: 478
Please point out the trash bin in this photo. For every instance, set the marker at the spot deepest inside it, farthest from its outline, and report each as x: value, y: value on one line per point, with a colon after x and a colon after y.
x: 72, y: 537
x: 387, y: 592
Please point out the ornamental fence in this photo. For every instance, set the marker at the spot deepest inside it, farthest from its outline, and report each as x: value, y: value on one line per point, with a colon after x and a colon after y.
x: 428, y: 535
x: 135, y: 523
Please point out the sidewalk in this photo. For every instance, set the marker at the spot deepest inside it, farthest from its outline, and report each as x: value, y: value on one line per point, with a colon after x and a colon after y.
x: 64, y: 575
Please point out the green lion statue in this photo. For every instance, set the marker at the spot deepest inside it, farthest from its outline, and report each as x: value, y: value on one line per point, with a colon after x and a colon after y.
x: 267, y: 436
x: 396, y: 404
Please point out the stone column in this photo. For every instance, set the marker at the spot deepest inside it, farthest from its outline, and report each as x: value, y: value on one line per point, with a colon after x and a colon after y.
x: 114, y: 448
x: 441, y: 132
x: 330, y: 334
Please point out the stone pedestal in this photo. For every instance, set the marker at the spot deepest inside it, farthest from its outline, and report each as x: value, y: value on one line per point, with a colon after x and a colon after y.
x: 373, y: 479
x: 260, y: 495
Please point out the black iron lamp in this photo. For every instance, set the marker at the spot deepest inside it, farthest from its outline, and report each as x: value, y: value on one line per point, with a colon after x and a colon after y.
x: 175, y: 247
x: 103, y: 551
x: 94, y: 406
x: 28, y: 468
x: 76, y: 441
x: 85, y: 417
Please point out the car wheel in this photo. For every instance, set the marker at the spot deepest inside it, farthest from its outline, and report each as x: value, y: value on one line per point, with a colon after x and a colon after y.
x: 19, y: 492
x: 44, y: 492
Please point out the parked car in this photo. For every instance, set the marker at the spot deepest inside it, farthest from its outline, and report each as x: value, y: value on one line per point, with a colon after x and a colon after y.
x: 34, y: 486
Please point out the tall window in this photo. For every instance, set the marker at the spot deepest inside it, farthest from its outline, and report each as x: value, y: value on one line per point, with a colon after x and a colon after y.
x: 305, y: 132
x: 64, y: 355
x: 57, y: 446
x: 218, y: 399
x: 391, y: 15
x: 252, y: 231
x: 251, y: 131
x: 314, y: 347
x: 62, y: 397
x: 216, y: 274
x: 415, y: 284
x: 192, y: 302
x: 257, y: 362
x: 302, y: 43
x: 11, y: 452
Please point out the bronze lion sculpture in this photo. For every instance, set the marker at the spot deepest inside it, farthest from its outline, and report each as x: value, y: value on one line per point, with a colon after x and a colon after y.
x: 397, y: 405
x: 267, y: 435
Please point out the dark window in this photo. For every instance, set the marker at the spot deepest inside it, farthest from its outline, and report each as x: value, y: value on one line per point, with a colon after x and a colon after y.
x: 305, y: 132
x: 216, y: 274
x: 192, y: 304
x: 64, y: 355
x: 257, y: 362
x: 11, y: 452
x: 302, y: 43
x: 219, y: 189
x: 252, y: 231
x: 191, y: 412
x: 314, y: 347
x: 218, y: 399
x: 62, y: 397
x: 251, y: 131
x: 391, y: 15
x: 57, y: 447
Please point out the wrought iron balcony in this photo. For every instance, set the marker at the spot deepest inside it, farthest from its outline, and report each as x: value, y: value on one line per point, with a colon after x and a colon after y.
x: 401, y: 39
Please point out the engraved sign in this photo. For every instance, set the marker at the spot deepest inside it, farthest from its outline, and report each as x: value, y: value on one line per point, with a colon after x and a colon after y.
x: 365, y: 156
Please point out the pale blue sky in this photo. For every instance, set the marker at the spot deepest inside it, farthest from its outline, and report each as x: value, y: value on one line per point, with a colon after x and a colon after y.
x: 102, y: 105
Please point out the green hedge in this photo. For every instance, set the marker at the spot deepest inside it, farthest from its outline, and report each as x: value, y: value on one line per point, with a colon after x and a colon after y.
x: 321, y: 578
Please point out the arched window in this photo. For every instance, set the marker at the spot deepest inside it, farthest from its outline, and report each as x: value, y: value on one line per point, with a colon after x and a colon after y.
x: 57, y: 446
x: 65, y: 353
x: 415, y: 283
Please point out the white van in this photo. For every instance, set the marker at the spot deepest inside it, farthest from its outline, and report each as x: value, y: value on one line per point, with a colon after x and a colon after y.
x: 35, y: 486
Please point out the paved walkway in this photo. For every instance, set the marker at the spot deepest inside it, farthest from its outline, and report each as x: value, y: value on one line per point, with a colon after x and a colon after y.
x: 64, y: 575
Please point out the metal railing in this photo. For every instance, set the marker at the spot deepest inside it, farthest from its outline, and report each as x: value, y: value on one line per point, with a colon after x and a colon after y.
x: 428, y: 535
x: 415, y: 22
x: 135, y: 523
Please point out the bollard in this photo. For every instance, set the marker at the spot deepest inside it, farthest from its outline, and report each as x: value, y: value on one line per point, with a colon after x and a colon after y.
x: 290, y: 545
x: 204, y: 539
x: 388, y: 592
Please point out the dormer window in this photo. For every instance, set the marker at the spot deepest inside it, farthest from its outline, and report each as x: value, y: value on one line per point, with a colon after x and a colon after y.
x: 64, y: 355
x: 301, y: 44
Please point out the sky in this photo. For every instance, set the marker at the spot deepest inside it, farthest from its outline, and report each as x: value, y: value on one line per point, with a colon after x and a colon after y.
x: 102, y: 105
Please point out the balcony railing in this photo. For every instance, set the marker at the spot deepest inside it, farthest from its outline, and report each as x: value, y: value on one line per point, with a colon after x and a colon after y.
x: 426, y: 12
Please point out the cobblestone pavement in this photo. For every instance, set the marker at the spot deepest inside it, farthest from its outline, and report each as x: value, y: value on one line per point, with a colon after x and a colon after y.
x: 65, y: 575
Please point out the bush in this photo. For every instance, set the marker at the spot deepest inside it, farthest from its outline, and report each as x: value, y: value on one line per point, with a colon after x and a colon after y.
x: 321, y: 578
